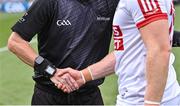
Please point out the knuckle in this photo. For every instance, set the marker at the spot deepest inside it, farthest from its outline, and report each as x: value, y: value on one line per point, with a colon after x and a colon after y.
x: 69, y: 68
x: 67, y: 75
x: 65, y: 78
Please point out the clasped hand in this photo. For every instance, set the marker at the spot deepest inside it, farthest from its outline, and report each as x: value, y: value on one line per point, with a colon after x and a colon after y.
x: 68, y: 79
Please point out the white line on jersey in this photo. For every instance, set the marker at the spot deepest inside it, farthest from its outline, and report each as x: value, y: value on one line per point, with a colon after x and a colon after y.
x: 154, y: 4
x: 149, y: 5
x: 144, y: 5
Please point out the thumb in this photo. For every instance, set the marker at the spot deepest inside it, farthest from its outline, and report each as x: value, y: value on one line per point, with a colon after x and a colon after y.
x: 62, y: 72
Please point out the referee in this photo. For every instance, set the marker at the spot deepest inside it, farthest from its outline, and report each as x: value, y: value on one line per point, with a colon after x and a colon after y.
x: 70, y: 33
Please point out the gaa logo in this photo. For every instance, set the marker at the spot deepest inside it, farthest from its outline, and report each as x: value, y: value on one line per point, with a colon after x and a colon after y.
x: 63, y: 23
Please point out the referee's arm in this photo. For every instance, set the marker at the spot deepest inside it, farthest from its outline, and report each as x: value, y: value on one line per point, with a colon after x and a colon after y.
x: 22, y: 49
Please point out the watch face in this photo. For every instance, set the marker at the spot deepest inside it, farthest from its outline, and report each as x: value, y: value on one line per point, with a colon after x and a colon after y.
x: 50, y: 70
x: 39, y: 60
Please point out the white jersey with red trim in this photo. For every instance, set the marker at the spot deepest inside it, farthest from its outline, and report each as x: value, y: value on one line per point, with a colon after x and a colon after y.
x: 130, y: 50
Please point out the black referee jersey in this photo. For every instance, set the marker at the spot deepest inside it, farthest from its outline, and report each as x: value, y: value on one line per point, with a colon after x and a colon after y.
x: 71, y: 33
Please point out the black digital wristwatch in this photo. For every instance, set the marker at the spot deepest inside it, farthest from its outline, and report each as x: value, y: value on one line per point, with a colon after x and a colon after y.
x: 44, y: 67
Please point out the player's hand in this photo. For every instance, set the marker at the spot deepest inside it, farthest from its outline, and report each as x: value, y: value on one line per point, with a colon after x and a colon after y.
x: 75, y: 74
x: 64, y: 82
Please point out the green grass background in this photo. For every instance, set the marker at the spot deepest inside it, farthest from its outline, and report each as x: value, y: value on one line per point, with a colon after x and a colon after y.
x: 16, y: 84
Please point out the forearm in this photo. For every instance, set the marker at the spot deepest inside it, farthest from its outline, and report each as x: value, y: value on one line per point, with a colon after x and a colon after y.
x: 98, y: 70
x: 27, y: 57
x: 156, y: 74
x: 158, y: 48
x: 104, y: 67
x: 22, y: 49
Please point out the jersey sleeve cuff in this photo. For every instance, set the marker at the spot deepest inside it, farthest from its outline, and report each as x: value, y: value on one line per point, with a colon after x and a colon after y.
x: 21, y: 34
x: 151, y: 19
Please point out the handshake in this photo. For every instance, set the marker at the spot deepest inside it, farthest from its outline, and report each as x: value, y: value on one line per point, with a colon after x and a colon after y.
x: 69, y: 80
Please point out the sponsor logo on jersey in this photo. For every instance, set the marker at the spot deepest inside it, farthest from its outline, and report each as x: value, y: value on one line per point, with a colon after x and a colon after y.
x: 118, y: 38
x: 63, y: 23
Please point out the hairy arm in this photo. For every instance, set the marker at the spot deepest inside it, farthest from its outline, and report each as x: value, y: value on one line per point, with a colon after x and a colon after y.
x: 27, y: 54
x: 156, y: 38
x: 22, y: 49
x: 104, y: 67
x: 100, y: 69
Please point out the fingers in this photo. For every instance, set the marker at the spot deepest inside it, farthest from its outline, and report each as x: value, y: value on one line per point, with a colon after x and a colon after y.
x: 63, y: 85
x: 72, y: 76
x: 70, y: 79
x: 74, y: 83
x: 71, y: 82
x: 54, y: 80
x: 64, y: 88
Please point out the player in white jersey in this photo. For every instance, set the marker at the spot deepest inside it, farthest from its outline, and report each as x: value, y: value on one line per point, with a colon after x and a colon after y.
x: 134, y: 45
x: 142, y: 58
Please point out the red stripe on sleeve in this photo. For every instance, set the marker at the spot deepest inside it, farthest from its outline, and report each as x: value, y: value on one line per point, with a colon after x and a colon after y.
x: 150, y: 15
x: 148, y: 20
x: 157, y: 4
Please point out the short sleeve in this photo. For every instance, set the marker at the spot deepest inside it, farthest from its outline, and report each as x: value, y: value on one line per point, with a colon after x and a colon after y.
x: 147, y: 11
x: 35, y: 19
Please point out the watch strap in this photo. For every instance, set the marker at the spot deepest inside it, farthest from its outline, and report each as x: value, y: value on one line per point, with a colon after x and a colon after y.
x: 41, y: 65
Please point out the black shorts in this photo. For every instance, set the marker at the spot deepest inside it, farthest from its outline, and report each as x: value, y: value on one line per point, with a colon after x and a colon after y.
x: 90, y: 97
